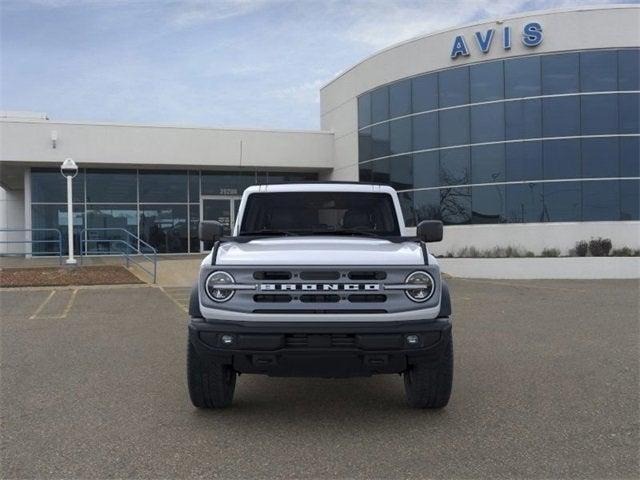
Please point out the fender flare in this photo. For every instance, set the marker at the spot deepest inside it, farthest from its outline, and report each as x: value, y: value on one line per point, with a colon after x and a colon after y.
x: 445, y: 301
x: 194, y: 303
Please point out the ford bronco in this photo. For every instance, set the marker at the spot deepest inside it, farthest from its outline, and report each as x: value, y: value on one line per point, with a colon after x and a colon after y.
x: 320, y: 280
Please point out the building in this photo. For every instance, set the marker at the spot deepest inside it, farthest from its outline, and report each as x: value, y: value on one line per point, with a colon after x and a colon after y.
x: 519, y: 131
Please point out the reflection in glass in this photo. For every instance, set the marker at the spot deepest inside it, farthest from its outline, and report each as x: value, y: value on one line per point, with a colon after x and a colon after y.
x: 401, y: 172
x: 601, y: 200
x: 194, y: 186
x: 560, y: 73
x: 522, y: 77
x: 380, y: 104
x: 599, y: 114
x: 487, y: 81
x: 408, y: 212
x: 380, y: 140
x: 365, y: 174
x: 400, y: 135
x: 629, y: 69
x: 364, y: 110
x: 487, y: 163
x: 114, y: 218
x: 562, y: 201
x: 524, y: 203
x: 454, y: 87
x: 455, y: 205
x: 523, y: 161
x: 400, y: 98
x: 630, y: 157
x: 561, y: 116
x: 488, y: 204
x: 630, y: 200
x: 365, y: 145
x: 55, y: 216
x: 599, y: 71
x: 424, y: 93
x: 600, y: 157
x: 165, y: 227
x: 454, y: 127
x: 487, y: 123
x: 48, y: 185
x: 426, y: 169
x: 561, y: 159
x: 523, y: 119
x: 194, y: 221
x: 427, y: 205
x: 163, y: 186
x: 112, y: 186
x: 629, y: 112
x: 380, y: 171
x: 425, y: 131
x: 454, y: 166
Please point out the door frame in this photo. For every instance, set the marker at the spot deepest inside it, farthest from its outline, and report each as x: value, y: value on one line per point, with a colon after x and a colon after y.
x: 232, y: 213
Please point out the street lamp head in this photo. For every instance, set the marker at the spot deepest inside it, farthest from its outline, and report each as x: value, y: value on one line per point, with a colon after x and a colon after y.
x: 69, y: 168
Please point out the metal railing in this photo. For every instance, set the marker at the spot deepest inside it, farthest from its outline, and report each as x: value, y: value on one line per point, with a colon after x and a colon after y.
x: 57, y: 241
x: 130, y: 247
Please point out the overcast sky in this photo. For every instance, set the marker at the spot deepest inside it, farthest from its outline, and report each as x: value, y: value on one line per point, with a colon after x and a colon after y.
x: 246, y: 63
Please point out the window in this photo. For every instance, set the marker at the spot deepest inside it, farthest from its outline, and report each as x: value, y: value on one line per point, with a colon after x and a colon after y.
x: 364, y: 110
x: 408, y: 212
x: 426, y: 204
x: 561, y: 159
x: 523, y: 161
x: 194, y: 186
x: 400, y: 135
x: 630, y: 200
x: 424, y: 93
x: 455, y: 205
x: 49, y: 186
x: 629, y: 112
x: 523, y: 119
x: 112, y: 186
x: 454, y: 127
x: 561, y: 116
x: 380, y: 105
x: 488, y: 204
x: 487, y: 81
x: 426, y: 169
x: 524, y: 203
x: 401, y: 172
x: 487, y: 164
x: 600, y: 157
x: 599, y: 71
x: 380, y: 140
x: 365, y: 172
x: 454, y: 87
x: 55, y: 216
x: 425, y: 131
x: 522, y: 77
x: 165, y: 227
x: 601, y: 200
x: 487, y: 123
x: 599, y: 114
x: 365, y: 145
x: 115, y: 218
x: 380, y: 171
x: 400, y: 98
x: 629, y: 69
x: 226, y: 183
x: 560, y: 73
x: 454, y: 166
x: 194, y: 221
x: 163, y: 186
x: 562, y: 201
x: 630, y: 157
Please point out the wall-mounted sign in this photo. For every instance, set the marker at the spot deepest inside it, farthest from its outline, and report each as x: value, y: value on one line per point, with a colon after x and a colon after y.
x: 531, y: 37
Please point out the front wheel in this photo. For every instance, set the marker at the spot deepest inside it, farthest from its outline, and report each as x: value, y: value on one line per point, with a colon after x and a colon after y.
x: 428, y: 384
x: 211, y: 384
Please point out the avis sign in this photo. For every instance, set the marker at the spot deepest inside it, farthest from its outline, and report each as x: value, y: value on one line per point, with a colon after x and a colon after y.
x: 531, y: 37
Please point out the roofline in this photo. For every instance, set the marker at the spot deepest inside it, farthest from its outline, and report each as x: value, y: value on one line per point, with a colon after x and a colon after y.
x: 613, y: 6
x: 147, y: 125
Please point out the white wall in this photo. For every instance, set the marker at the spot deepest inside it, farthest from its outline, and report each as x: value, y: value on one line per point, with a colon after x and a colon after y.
x: 536, y: 236
x: 11, y: 216
x: 110, y: 144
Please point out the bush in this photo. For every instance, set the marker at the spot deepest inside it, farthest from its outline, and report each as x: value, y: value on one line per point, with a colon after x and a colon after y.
x: 581, y: 248
x: 600, y: 247
x: 624, y: 252
x: 550, y: 252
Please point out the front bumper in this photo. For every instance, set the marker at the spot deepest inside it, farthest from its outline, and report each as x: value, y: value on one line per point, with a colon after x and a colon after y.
x: 320, y: 349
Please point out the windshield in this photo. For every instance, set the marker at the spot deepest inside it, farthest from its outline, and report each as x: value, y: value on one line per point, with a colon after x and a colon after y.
x: 320, y: 213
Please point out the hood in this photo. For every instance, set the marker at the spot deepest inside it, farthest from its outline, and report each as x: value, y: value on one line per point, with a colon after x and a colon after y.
x: 319, y: 251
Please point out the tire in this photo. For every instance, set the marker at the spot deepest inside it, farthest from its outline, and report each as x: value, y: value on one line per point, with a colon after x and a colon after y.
x: 211, y: 385
x: 428, y: 384
x: 194, y: 303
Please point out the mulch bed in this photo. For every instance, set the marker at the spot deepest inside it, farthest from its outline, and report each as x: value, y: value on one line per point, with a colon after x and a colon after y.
x: 63, y: 276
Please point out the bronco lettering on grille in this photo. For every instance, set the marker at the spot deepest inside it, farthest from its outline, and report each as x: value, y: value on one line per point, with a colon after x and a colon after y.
x: 324, y: 287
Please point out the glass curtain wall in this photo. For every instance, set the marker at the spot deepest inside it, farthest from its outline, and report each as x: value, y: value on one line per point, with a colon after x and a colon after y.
x: 541, y: 138
x: 113, y: 206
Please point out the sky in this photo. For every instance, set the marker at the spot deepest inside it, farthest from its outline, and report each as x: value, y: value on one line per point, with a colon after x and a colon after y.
x: 218, y: 63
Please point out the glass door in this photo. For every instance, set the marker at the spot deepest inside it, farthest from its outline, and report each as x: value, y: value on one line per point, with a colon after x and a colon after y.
x: 221, y: 209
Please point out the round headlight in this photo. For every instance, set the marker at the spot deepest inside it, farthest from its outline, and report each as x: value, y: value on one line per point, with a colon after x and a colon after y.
x: 425, y: 286
x: 214, y: 286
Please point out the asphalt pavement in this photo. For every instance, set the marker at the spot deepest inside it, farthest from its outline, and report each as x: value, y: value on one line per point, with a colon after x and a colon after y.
x: 546, y: 384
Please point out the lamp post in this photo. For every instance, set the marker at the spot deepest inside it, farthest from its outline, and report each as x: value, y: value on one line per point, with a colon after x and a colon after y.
x: 69, y: 169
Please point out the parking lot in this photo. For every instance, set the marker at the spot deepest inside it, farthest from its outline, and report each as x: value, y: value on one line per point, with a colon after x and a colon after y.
x: 546, y: 385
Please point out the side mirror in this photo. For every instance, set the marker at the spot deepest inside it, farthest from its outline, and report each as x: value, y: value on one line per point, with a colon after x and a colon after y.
x: 430, y: 230
x: 210, y: 231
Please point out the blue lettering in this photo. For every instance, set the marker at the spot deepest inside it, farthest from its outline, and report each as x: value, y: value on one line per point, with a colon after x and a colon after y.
x: 459, y: 47
x: 485, y: 42
x: 506, y: 38
x: 532, y: 34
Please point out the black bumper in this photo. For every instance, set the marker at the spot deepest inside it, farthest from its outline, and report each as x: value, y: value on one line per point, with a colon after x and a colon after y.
x: 327, y: 349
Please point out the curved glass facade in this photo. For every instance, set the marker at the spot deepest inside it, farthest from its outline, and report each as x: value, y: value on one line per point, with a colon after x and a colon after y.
x: 541, y: 138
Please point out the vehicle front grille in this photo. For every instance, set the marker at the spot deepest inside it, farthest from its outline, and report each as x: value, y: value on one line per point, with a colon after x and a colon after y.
x: 320, y: 341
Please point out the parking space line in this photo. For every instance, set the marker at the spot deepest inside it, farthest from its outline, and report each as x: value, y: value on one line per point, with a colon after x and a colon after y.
x: 42, y: 305
x: 180, y: 306
x: 66, y: 310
